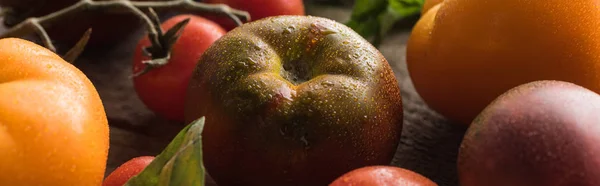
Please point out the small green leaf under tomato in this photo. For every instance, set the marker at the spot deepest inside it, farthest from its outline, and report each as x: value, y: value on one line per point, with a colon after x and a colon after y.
x: 179, y: 164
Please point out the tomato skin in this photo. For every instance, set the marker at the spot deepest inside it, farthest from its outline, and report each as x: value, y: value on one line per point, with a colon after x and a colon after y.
x: 382, y: 176
x: 458, y: 70
x: 539, y: 133
x: 430, y: 4
x: 163, y: 89
x: 287, y: 103
x: 129, y: 169
x: 258, y: 9
x: 53, y: 127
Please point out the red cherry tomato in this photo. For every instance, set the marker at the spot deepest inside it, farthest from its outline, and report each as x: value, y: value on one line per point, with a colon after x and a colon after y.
x: 163, y: 89
x: 258, y: 9
x: 129, y: 169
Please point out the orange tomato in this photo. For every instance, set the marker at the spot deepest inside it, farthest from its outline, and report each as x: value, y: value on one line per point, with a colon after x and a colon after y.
x: 462, y: 54
x: 53, y: 127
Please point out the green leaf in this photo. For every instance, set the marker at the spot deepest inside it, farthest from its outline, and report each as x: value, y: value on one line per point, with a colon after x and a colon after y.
x: 363, y: 20
x: 373, y: 19
x: 365, y: 28
x: 364, y: 8
x: 179, y: 164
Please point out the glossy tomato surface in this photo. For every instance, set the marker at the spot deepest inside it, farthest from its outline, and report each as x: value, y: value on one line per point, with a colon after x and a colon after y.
x: 380, y: 175
x: 53, y: 128
x: 294, y: 100
x: 539, y: 133
x: 163, y: 89
x: 463, y: 54
x: 129, y: 169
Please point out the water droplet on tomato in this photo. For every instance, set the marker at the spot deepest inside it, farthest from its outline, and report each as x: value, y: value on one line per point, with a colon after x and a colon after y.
x: 327, y: 83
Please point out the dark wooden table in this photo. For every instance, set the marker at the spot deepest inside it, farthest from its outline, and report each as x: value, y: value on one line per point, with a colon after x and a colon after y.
x: 429, y: 143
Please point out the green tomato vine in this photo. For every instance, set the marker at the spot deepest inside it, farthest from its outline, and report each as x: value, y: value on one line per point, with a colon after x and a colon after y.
x: 37, y: 25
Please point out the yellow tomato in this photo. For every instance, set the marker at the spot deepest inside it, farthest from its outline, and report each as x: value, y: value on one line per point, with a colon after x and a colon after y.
x: 53, y: 127
x: 464, y: 53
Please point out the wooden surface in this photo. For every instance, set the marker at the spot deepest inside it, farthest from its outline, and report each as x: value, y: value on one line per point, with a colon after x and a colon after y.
x: 429, y: 143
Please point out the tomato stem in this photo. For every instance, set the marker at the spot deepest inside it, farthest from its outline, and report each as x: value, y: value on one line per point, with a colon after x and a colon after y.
x: 37, y: 24
x: 160, y: 50
x: 74, y: 53
x: 43, y: 34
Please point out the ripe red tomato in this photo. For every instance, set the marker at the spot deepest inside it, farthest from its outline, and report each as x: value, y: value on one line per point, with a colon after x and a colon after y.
x: 129, y: 169
x: 258, y: 9
x: 163, y: 89
x: 381, y: 176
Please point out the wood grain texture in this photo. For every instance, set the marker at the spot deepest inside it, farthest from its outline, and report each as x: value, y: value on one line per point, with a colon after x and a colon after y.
x: 429, y: 142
